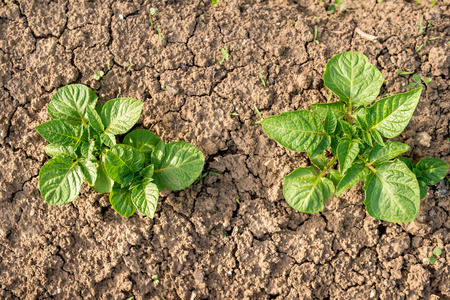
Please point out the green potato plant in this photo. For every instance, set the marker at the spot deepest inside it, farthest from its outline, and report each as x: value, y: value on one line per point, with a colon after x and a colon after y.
x: 354, y: 129
x: 83, y: 144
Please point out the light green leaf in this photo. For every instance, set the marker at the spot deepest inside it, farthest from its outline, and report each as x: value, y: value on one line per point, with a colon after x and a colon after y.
x: 390, y: 115
x: 122, y: 161
x: 376, y: 136
x: 432, y: 170
x: 87, y: 149
x: 89, y: 170
x: 108, y: 139
x: 324, y: 145
x: 120, y: 200
x: 177, y: 164
x: 145, y: 198
x: 60, y: 180
x: 320, y: 160
x: 119, y: 115
x: 392, y: 193
x: 95, y: 120
x: 143, y: 140
x: 320, y: 109
x: 70, y: 103
x: 354, y: 174
x: 103, y: 183
x: 335, y: 176
x: 348, y: 129
x: 353, y: 78
x: 59, y: 132
x: 305, y: 191
x: 54, y: 150
x: 330, y: 122
x: 347, y: 152
x: 299, y: 130
x: 381, y: 154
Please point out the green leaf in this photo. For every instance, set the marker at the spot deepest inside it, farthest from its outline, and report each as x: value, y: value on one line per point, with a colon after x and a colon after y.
x: 70, y: 103
x: 87, y: 149
x: 89, y: 170
x: 432, y: 260
x: 59, y: 132
x: 305, y: 191
x: 353, y: 78
x: 347, y: 152
x: 119, y: 115
x: 354, y: 174
x: 335, y: 176
x: 423, y: 188
x: 381, y: 154
x: 330, y: 122
x: 147, y: 172
x: 432, y: 170
x: 392, y: 193
x: 120, y: 200
x: 411, y: 85
x: 95, y: 120
x: 348, y: 129
x: 143, y: 140
x: 407, y: 161
x: 60, y: 180
x: 145, y: 198
x: 177, y: 164
x: 437, y: 251
x: 54, y: 150
x: 377, y: 137
x: 122, y: 161
x: 416, y: 78
x: 103, y: 183
x: 320, y: 160
x: 320, y: 109
x: 390, y: 115
x: 299, y: 130
x: 108, y: 139
x: 324, y: 145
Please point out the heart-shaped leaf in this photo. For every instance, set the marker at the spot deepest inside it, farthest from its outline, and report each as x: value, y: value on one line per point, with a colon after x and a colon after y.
x: 119, y: 115
x: 120, y: 200
x: 145, y: 198
x: 59, y: 132
x: 143, y: 140
x: 122, y: 161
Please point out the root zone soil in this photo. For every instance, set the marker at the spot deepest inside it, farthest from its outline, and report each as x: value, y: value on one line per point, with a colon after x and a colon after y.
x: 234, y: 236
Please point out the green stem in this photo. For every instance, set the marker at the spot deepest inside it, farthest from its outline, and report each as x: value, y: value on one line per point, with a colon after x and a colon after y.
x: 350, y: 111
x: 368, y: 164
x: 327, y: 167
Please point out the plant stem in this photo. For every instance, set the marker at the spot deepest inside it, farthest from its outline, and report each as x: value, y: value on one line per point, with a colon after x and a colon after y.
x: 368, y: 164
x: 327, y: 167
x: 350, y: 111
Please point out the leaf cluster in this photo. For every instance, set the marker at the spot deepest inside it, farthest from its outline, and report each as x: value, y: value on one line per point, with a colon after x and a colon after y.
x: 354, y: 129
x: 83, y: 144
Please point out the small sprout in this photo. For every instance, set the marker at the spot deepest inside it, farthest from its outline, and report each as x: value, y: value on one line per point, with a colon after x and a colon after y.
x: 420, y: 27
x: 429, y: 24
x: 159, y: 34
x: 437, y: 251
x: 155, y: 279
x: 427, y: 80
x: 128, y: 65
x: 206, y: 174
x: 224, y: 235
x: 379, y: 1
x: 432, y: 39
x: 131, y: 298
x: 225, y: 55
x: 258, y: 113
x: 6, y: 122
x: 163, y: 298
x: 332, y: 7
x: 315, y: 35
x: 233, y: 114
x: 152, y: 13
x: 238, y: 201
x: 214, y: 2
x: 120, y: 92
x: 99, y: 75
x: 108, y: 65
x: 404, y: 72
x: 432, y: 260
x: 262, y: 80
x: 418, y: 81
x: 418, y: 48
x: 292, y: 22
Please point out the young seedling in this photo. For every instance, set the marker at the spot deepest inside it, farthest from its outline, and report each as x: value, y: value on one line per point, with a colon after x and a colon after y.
x: 99, y: 75
x: 332, y: 7
x: 152, y: 13
x: 432, y: 39
x: 418, y: 81
x: 238, y: 201
x: 436, y: 252
x: 225, y: 55
x: 128, y: 65
x: 292, y: 22
x: 354, y: 131
x: 214, y: 2
x: 83, y: 141
x: 261, y: 78
x: 404, y: 72
x: 258, y: 114
x: 418, y: 48
x: 155, y: 279
x: 206, y: 174
x: 315, y: 35
x: 158, y: 29
x: 108, y: 65
x: 420, y: 27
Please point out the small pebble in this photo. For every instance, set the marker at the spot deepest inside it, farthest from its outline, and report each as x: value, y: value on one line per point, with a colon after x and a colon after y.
x: 424, y: 139
x: 121, y: 17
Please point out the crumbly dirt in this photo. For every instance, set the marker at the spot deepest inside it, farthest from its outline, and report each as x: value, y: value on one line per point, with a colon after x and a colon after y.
x: 202, y: 243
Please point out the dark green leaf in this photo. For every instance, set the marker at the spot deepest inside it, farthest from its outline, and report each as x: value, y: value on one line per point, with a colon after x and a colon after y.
x: 177, y: 164
x: 347, y: 152
x: 60, y: 180
x: 59, y: 132
x: 423, y: 189
x: 348, y: 129
x: 324, y: 145
x: 381, y: 154
x: 353, y: 78
x: 407, y: 162
x: 122, y: 161
x: 334, y: 176
x: 87, y: 150
x: 119, y: 115
x: 320, y: 109
x: 70, y: 103
x: 377, y: 137
x: 299, y: 130
x: 305, y: 191
x: 143, y: 140
x: 145, y: 198
x: 354, y: 174
x: 103, y: 183
x: 432, y: 170
x: 392, y: 193
x: 390, y: 115
x: 120, y: 200
x: 147, y: 172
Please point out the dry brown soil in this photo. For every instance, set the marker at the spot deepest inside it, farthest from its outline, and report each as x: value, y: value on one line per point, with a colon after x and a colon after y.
x: 202, y: 244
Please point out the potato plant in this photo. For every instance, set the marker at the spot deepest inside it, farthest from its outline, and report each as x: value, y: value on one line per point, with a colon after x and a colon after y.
x: 354, y: 130
x: 83, y: 144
